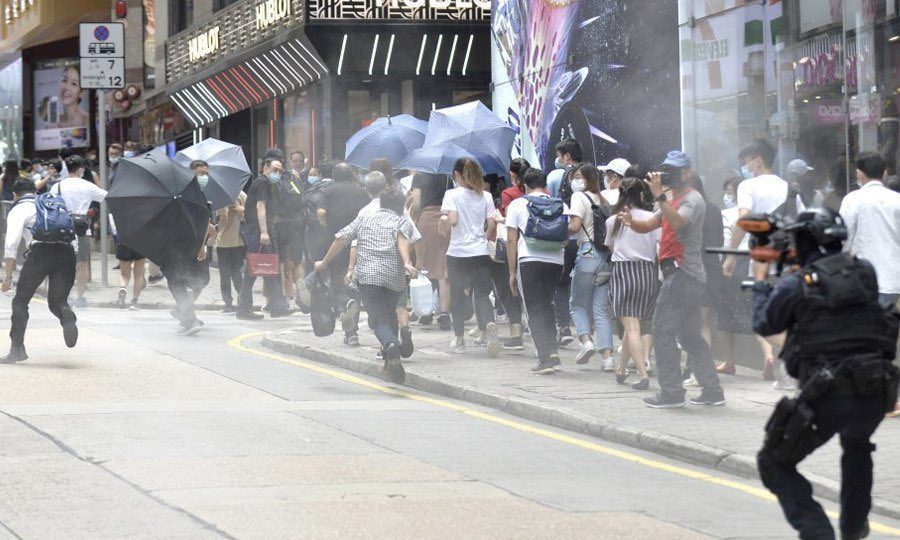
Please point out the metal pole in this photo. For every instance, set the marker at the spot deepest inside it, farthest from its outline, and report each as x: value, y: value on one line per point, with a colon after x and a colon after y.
x: 104, y: 183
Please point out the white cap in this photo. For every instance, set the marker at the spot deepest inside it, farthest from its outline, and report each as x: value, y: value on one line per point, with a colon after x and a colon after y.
x: 798, y: 167
x: 618, y: 166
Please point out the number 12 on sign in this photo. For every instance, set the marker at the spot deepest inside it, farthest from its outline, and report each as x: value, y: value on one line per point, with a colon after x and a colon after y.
x: 103, y: 73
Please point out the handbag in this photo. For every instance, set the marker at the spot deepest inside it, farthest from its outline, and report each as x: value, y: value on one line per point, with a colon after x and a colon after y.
x: 263, y: 264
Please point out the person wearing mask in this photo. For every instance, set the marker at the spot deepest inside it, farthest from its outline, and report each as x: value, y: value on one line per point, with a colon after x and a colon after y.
x: 230, y: 250
x: 761, y: 192
x: 634, y: 285
x: 38, y: 171
x: 340, y: 204
x: 872, y: 215
x: 51, y: 261
x: 114, y: 154
x: 590, y: 293
x: 677, y: 313
x: 299, y: 167
x: 530, y: 273
x: 255, y: 231
x: 425, y: 199
x: 79, y: 194
x: 559, y: 184
x: 613, y: 174
x: 286, y: 209
x: 384, y: 260
x: 469, y: 211
x: 517, y: 168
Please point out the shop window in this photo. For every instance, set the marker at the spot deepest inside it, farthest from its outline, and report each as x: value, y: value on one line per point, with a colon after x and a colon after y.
x: 181, y: 15
x: 222, y: 4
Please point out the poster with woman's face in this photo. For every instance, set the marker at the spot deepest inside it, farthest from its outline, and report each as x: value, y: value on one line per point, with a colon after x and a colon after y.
x: 62, y: 119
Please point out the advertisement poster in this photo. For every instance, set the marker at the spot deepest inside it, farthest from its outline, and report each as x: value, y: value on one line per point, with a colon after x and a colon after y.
x: 63, y: 118
x: 592, y: 70
x: 149, y: 44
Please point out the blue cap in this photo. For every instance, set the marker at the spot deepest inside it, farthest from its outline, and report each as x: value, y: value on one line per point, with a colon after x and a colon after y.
x: 677, y: 158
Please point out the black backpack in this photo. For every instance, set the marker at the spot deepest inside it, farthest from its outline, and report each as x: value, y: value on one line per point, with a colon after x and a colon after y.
x: 601, y: 212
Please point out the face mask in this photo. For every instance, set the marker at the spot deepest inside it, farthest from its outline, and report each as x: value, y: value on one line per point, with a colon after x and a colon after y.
x: 728, y: 201
x: 273, y: 177
x: 578, y: 185
x: 203, y: 179
x: 313, y: 180
x: 114, y: 160
x: 129, y: 153
x: 745, y: 172
x: 558, y: 163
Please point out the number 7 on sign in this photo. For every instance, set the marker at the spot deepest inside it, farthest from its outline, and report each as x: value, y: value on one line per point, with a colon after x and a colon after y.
x: 112, y: 64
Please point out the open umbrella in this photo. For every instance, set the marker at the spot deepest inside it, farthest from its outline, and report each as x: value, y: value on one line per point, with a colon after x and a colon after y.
x: 228, y: 169
x: 473, y: 127
x: 159, y: 208
x: 440, y: 159
x: 391, y: 137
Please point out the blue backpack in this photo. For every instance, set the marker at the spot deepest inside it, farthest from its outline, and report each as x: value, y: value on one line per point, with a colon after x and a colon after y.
x: 548, y: 227
x: 52, y: 222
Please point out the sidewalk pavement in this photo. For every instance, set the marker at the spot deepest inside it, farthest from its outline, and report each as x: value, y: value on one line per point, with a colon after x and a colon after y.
x: 584, y: 399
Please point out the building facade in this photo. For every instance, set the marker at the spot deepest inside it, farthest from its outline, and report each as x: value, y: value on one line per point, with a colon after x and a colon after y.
x: 818, y: 78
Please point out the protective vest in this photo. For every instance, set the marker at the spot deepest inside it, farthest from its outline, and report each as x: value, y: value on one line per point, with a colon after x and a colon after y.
x: 840, y: 316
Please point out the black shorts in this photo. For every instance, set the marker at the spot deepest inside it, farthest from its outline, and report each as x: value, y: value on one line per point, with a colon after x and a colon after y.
x: 125, y: 253
x: 289, y: 235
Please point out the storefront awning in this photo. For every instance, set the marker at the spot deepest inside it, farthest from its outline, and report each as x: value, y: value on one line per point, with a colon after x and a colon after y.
x: 278, y: 71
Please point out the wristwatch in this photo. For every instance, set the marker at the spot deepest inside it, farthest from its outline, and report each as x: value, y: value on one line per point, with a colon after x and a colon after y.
x: 662, y: 198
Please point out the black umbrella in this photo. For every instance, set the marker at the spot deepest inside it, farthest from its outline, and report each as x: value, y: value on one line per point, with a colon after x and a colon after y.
x: 159, y: 208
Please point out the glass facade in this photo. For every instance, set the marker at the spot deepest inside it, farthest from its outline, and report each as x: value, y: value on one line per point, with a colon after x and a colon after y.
x: 820, y: 79
x: 11, y: 111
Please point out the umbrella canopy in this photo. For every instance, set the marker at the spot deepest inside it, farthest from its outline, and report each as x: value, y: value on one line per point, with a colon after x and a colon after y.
x: 473, y: 127
x: 391, y: 137
x: 159, y: 208
x: 228, y: 169
x: 440, y: 159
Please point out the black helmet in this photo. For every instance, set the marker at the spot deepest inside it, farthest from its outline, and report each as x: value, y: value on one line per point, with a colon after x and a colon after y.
x: 822, y: 226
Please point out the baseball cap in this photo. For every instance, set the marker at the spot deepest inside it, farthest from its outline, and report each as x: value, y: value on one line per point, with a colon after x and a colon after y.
x: 618, y: 166
x: 798, y: 167
x: 678, y: 159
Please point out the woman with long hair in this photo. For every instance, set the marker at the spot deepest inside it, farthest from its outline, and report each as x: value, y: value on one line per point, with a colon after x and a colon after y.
x: 517, y: 168
x: 634, y: 283
x: 424, y: 200
x: 590, y: 293
x: 469, y: 211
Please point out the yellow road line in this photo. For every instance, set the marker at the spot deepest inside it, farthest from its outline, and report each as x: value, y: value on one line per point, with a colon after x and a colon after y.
x: 237, y: 343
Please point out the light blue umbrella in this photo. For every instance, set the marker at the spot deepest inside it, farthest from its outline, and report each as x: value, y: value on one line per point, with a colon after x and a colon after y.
x: 473, y: 127
x: 392, y: 138
x: 228, y: 169
x: 439, y: 159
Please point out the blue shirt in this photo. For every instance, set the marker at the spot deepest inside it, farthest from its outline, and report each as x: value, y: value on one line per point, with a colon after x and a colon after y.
x: 554, y: 181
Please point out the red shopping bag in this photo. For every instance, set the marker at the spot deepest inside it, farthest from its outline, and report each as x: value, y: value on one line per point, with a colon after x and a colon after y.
x: 263, y: 264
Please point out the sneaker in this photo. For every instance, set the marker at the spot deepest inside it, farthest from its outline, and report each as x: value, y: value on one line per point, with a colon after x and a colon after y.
x: 191, y: 329
x: 657, y: 401
x: 458, y: 346
x: 351, y: 341
x: 406, y: 343
x: 691, y: 382
x: 609, y: 364
x: 477, y: 334
x: 493, y: 341
x: 80, y: 302
x: 156, y: 279
x: 788, y: 385
x: 70, y: 334
x: 350, y: 316
x: 16, y: 354
x: 545, y: 367
x: 229, y: 309
x: 514, y: 344
x: 134, y: 305
x: 393, y: 367
x: 643, y: 384
x: 554, y: 359
x: 244, y: 316
x: 564, y: 337
x: 427, y: 320
x: 444, y: 322
x: 585, y: 352
x: 279, y: 313
x: 714, y: 398
x: 120, y: 300
x: 502, y: 319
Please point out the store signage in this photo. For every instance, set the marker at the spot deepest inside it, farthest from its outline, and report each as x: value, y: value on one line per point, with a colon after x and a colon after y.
x: 271, y: 11
x: 204, y: 44
x: 422, y: 10
x: 230, y: 31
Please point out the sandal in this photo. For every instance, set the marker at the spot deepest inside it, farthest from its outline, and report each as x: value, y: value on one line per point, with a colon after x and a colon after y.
x: 726, y: 369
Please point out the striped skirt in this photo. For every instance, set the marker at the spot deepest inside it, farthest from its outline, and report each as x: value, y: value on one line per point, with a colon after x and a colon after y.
x: 633, y: 289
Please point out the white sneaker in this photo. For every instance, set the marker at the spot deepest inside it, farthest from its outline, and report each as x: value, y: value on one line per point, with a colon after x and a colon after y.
x: 458, y: 346
x: 691, y: 382
x: 585, y: 352
x: 783, y: 381
x: 491, y: 340
x: 609, y: 364
x: 475, y: 332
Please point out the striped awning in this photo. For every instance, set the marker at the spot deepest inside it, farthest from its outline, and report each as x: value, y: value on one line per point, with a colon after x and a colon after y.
x: 277, y: 71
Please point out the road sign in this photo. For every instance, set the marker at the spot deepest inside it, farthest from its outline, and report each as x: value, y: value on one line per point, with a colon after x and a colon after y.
x: 101, y: 40
x: 103, y: 73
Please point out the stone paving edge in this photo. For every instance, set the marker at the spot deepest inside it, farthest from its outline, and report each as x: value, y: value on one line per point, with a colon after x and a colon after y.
x: 669, y: 446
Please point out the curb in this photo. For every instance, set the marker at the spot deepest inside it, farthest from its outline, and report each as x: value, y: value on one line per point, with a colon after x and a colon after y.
x: 659, y: 443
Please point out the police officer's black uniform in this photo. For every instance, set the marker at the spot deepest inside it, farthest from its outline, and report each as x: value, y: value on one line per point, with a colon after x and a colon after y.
x: 830, y: 311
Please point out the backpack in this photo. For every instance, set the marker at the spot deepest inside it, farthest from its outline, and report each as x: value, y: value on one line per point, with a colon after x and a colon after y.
x: 601, y: 213
x: 52, y: 221
x: 290, y: 197
x: 547, y: 228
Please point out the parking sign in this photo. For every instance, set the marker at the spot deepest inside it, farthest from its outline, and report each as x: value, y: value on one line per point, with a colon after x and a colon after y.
x: 102, y: 48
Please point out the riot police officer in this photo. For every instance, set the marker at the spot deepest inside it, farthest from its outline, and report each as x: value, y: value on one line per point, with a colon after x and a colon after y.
x: 840, y: 343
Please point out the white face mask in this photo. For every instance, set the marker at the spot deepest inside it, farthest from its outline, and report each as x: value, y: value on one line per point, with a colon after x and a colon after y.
x: 728, y: 201
x: 578, y: 184
x: 558, y: 163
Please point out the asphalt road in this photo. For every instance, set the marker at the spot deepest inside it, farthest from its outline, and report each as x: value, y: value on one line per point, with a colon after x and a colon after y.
x: 141, y: 433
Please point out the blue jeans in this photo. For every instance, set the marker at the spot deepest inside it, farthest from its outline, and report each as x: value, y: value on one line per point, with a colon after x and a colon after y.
x: 589, y: 300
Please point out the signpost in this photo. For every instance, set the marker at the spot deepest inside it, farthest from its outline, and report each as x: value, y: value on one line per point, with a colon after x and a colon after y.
x: 102, y: 50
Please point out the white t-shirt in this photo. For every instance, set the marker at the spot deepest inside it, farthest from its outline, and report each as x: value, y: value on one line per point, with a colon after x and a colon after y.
x: 762, y: 194
x: 467, y: 238
x: 78, y: 194
x: 517, y: 218
x: 611, y: 196
x: 629, y: 245
x: 582, y: 208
